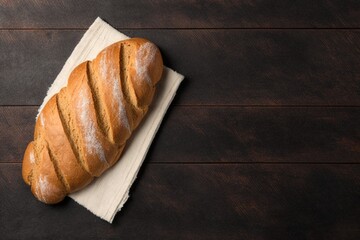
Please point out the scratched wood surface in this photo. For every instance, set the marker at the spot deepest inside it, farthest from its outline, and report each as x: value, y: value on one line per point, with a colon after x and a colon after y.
x: 262, y: 140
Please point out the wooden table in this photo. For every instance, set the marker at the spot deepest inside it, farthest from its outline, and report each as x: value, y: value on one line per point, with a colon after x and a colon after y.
x: 261, y: 142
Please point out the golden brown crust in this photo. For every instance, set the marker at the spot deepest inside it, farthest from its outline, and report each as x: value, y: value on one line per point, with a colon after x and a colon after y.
x: 78, y: 110
x: 83, y: 129
x: 28, y: 162
x: 45, y: 184
x: 104, y: 69
x: 72, y: 172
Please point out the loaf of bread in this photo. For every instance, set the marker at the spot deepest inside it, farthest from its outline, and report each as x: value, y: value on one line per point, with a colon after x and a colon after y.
x: 82, y: 130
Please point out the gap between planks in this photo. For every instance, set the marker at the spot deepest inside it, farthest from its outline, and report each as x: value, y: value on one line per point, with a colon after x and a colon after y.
x: 235, y: 163
x: 236, y: 106
x: 180, y: 28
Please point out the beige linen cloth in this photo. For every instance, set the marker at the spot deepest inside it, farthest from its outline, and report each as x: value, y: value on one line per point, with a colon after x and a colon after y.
x: 107, y: 194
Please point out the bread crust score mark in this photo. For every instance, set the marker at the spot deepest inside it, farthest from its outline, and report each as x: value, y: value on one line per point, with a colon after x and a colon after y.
x: 83, y: 129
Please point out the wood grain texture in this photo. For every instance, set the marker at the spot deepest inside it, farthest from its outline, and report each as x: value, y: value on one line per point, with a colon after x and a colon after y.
x: 31, y: 61
x: 262, y: 143
x: 181, y: 14
x: 261, y: 201
x: 221, y: 134
x: 241, y: 67
x: 226, y: 134
x: 16, y: 131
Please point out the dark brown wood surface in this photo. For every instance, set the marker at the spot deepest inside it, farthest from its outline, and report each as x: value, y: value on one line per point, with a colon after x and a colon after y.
x: 181, y: 13
x: 237, y: 67
x: 262, y: 140
x: 201, y: 201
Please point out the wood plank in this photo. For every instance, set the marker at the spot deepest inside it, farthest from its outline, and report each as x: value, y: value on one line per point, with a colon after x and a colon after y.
x: 181, y: 14
x: 226, y: 134
x: 237, y: 201
x: 258, y: 135
x: 16, y: 131
x: 30, y: 62
x: 241, y: 67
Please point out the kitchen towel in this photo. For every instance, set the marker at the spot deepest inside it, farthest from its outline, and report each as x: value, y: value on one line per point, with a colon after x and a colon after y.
x: 105, y: 196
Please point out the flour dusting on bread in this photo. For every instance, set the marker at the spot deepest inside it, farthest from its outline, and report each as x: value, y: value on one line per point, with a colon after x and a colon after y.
x: 109, y: 74
x: 91, y: 141
x: 32, y: 157
x: 144, y: 57
x: 42, y: 187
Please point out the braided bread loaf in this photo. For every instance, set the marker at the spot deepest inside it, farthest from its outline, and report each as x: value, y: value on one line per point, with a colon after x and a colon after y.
x: 83, y: 129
